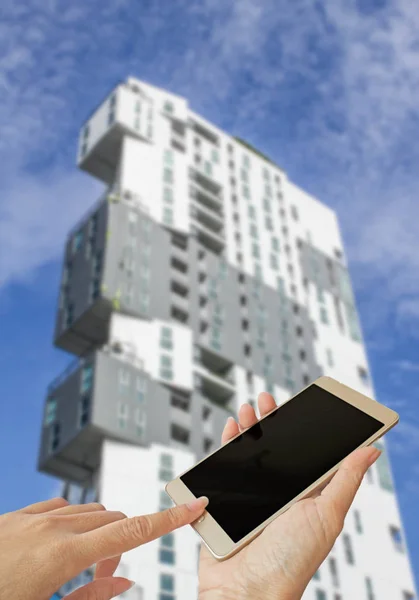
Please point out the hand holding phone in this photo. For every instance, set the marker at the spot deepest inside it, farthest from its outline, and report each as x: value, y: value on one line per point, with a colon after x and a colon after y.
x: 281, y: 561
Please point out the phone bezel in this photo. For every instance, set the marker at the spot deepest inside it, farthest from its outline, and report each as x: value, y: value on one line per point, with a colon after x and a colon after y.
x: 213, y: 535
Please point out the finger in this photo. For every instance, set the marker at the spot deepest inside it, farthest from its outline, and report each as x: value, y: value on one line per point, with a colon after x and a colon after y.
x: 117, y: 538
x: 266, y: 403
x: 82, y: 522
x: 73, y: 509
x: 107, y: 567
x: 45, y: 506
x: 340, y: 492
x: 247, y: 417
x: 231, y: 429
x: 102, y: 589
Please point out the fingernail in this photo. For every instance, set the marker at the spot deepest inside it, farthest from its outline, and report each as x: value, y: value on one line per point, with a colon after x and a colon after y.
x: 132, y: 583
x: 198, y: 504
x: 231, y: 420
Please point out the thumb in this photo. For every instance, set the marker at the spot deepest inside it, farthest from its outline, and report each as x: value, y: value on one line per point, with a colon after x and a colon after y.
x: 102, y: 589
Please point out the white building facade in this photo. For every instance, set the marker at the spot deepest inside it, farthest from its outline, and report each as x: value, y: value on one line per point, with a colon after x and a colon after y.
x: 202, y: 277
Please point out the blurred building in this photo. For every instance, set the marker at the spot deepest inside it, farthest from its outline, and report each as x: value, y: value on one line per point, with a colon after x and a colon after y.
x: 201, y: 277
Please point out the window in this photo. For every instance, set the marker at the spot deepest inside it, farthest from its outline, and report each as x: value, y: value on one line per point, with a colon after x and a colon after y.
x: 396, y: 536
x: 246, y: 192
x: 124, y: 381
x: 265, y: 174
x: 255, y: 250
x: 320, y: 595
x: 274, y: 261
x: 334, y: 571
x: 122, y: 415
x: 208, y: 168
x: 253, y: 231
x: 167, y: 216
x: 168, y: 157
x: 55, y: 437
x: 111, y: 117
x: 258, y: 271
x: 316, y: 576
x: 267, y: 204
x: 244, y: 176
x: 358, y: 522
x: 166, y: 467
x: 275, y: 244
x: 141, y: 389
x: 166, y: 339
x: 268, y: 224
x: 280, y: 286
x: 294, y: 213
x: 363, y: 375
x: 252, y: 211
x: 168, y: 195
x: 50, y: 411
x: 166, y: 371
x: 77, y: 241
x: 323, y: 315
x: 167, y: 582
x: 168, y: 107
x: 329, y: 358
x: 84, y: 410
x: 268, y: 191
x: 166, y: 552
x: 86, y: 378
x: 383, y: 469
x: 369, y: 588
x: 168, y: 175
x: 347, y: 547
x: 246, y: 161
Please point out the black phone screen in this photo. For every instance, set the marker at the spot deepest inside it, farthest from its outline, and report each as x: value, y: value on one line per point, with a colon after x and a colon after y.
x: 259, y: 472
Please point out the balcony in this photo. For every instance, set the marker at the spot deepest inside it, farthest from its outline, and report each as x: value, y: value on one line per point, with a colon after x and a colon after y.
x: 212, y: 241
x: 181, y: 417
x: 214, y: 375
x: 210, y: 219
x: 205, y: 183
x: 181, y: 303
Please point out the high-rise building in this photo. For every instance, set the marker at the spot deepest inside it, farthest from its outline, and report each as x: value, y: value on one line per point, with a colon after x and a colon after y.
x: 202, y: 277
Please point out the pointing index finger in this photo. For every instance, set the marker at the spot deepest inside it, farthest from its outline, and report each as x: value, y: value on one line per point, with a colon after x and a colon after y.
x: 121, y: 536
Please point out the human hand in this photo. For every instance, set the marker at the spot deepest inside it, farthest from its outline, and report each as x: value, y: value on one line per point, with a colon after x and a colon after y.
x: 280, y: 562
x: 45, y: 545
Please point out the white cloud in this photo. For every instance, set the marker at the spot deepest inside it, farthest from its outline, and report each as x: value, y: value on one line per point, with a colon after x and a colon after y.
x: 408, y: 365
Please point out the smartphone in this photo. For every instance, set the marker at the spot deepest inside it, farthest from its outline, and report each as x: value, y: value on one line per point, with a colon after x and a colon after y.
x: 287, y: 455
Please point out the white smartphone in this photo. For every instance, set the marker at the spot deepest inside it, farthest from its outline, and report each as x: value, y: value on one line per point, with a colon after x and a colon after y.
x: 287, y: 455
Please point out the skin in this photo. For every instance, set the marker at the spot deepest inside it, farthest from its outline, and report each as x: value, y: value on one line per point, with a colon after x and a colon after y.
x: 280, y: 562
x: 45, y: 545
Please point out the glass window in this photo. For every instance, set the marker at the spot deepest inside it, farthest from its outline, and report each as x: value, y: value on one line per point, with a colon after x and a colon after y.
x: 246, y: 161
x: 168, y: 175
x: 166, y: 338
x: 168, y: 195
x: 164, y: 500
x: 334, y: 571
x: 168, y: 157
x: 166, y: 371
x: 258, y: 271
x: 396, y: 536
x: 275, y: 244
x: 252, y: 211
x: 244, y: 175
x: 329, y: 356
x: 320, y: 595
x: 167, y: 582
x: 268, y: 224
x: 323, y: 315
x: 358, y: 522
x: 86, y: 378
x: 55, y: 437
x: 268, y: 191
x: 50, y: 411
x: 274, y: 261
x: 280, y: 286
x: 167, y: 557
x: 267, y: 204
x: 369, y: 588
x: 124, y: 380
x: 253, y: 231
x: 383, y: 469
x: 246, y: 192
x: 84, y: 410
x: 265, y: 174
x: 294, y: 213
x: 255, y: 250
x: 208, y: 167
x: 215, y: 156
x: 77, y: 241
x: 168, y: 107
x: 316, y: 575
x: 347, y: 547
x: 111, y: 117
x: 167, y: 216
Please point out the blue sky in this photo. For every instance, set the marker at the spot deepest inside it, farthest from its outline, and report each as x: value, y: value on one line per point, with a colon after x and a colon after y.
x: 329, y: 89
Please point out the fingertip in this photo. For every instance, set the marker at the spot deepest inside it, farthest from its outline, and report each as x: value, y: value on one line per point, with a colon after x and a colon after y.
x: 198, y: 505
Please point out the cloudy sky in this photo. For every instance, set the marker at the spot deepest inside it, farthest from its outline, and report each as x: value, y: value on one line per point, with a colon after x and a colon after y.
x: 329, y: 89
